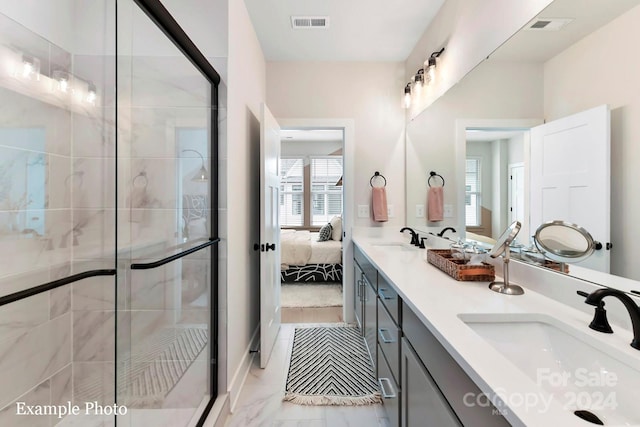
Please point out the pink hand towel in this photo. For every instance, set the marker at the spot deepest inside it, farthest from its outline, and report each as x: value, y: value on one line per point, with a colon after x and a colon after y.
x: 379, y: 204
x: 435, y: 207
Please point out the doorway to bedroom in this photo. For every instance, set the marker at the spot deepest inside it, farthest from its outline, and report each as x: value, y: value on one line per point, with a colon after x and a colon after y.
x: 311, y: 206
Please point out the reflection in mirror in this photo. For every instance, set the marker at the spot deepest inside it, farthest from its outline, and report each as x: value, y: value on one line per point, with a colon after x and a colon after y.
x: 494, y: 181
x: 542, y: 76
x: 564, y: 242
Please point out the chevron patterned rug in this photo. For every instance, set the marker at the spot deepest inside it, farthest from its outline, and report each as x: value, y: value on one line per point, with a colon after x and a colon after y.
x: 330, y: 366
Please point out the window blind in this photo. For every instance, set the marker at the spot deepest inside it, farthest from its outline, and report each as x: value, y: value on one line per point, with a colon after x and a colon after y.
x: 326, y: 197
x: 473, y: 192
x: 291, y: 192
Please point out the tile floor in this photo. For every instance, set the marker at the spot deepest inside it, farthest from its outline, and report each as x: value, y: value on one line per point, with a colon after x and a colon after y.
x: 260, y: 403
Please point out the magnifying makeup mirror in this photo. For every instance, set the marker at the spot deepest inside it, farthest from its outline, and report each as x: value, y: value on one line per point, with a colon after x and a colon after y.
x: 565, y: 242
x: 502, y: 246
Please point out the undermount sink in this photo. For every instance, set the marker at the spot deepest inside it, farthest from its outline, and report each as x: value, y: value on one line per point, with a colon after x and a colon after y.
x: 402, y: 247
x: 580, y: 373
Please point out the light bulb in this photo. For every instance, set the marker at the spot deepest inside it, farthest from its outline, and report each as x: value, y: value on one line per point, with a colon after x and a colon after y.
x: 30, y: 67
x: 407, y: 100
x: 91, y: 94
x: 63, y: 84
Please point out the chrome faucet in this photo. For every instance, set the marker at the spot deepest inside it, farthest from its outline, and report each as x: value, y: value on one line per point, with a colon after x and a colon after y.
x: 444, y: 230
x: 595, y: 298
x: 414, y: 236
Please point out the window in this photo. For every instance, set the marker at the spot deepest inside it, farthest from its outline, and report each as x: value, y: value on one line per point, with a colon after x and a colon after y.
x: 326, y: 197
x: 291, y: 192
x: 473, y: 192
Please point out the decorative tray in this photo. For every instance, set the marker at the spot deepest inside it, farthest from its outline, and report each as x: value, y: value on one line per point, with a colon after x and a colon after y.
x: 457, y: 268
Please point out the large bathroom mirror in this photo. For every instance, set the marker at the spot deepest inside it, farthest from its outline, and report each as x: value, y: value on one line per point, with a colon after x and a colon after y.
x: 576, y: 57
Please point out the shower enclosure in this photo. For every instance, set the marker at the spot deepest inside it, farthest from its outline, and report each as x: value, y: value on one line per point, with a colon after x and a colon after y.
x: 108, y: 216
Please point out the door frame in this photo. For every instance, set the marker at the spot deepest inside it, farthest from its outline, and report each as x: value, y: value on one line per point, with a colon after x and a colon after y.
x: 461, y: 126
x: 348, y: 211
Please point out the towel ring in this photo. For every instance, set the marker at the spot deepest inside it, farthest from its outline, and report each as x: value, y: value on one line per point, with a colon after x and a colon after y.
x: 431, y: 175
x: 375, y: 175
x: 141, y: 176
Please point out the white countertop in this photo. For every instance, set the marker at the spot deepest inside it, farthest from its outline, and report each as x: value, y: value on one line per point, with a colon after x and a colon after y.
x: 437, y: 299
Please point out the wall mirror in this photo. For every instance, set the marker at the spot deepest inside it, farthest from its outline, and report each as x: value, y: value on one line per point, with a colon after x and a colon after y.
x: 574, y: 61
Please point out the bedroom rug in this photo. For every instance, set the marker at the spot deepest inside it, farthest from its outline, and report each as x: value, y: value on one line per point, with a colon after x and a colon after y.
x: 326, y: 295
x: 330, y: 366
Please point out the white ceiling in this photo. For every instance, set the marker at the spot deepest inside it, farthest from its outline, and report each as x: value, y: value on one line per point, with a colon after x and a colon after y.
x: 359, y: 30
x: 539, y: 46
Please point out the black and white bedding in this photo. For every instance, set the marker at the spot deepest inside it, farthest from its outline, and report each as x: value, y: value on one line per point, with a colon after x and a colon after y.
x: 304, y: 259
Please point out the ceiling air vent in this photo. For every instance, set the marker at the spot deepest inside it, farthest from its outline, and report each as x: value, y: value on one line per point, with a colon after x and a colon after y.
x: 307, y: 22
x: 548, y: 24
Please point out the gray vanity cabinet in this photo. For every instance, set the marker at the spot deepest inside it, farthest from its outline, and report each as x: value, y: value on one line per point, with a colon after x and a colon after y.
x: 358, y: 301
x: 370, y: 321
x: 422, y: 404
x: 366, y: 283
x: 421, y: 384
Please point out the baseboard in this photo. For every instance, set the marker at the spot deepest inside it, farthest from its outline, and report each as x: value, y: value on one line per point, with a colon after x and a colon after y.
x: 240, y: 376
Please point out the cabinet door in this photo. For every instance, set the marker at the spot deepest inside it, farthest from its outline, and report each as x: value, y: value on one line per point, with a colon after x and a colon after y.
x: 370, y: 315
x: 422, y: 403
x: 358, y: 306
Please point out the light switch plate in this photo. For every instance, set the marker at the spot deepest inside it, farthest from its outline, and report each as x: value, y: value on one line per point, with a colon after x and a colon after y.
x: 363, y: 211
x: 448, y: 211
x: 419, y: 211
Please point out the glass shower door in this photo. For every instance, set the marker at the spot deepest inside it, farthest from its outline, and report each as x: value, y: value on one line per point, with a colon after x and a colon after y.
x: 163, y: 193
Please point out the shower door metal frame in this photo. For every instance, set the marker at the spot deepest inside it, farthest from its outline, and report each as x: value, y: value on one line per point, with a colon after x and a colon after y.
x: 156, y: 11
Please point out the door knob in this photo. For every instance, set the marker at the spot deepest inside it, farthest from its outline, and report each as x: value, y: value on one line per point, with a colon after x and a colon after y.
x: 256, y: 247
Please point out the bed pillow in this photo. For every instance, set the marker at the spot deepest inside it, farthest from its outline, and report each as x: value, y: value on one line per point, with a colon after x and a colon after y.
x: 336, y: 226
x: 325, y: 233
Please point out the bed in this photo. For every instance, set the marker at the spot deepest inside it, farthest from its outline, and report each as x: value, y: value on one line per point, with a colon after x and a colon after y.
x: 305, y: 260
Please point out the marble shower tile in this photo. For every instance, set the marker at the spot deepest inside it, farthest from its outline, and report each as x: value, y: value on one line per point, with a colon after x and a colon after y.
x: 59, y: 301
x: 168, y: 88
x: 150, y: 289
x: 59, y: 181
x: 96, y: 187
x: 39, y: 395
x: 94, y: 293
x: 93, y: 336
x: 94, y: 135
x: 62, y: 386
x: 93, y: 381
x: 22, y: 316
x: 32, y: 357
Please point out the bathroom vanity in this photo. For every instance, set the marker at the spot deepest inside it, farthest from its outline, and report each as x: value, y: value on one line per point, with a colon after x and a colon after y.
x: 451, y: 353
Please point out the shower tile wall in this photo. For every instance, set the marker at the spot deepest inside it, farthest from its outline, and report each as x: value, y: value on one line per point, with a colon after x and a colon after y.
x: 73, y: 198
x: 57, y: 201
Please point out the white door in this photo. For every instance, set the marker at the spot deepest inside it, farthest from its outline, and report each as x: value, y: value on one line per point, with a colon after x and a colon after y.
x: 269, y: 234
x: 570, y: 176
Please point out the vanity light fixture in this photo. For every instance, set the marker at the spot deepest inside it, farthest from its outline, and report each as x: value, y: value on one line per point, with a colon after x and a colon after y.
x: 202, y: 175
x: 407, y: 95
x: 418, y: 80
x: 430, y: 64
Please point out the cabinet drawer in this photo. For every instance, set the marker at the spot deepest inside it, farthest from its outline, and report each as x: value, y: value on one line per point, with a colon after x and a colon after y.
x: 389, y: 340
x: 390, y: 391
x: 389, y: 298
x: 367, y: 268
x: 451, y: 379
